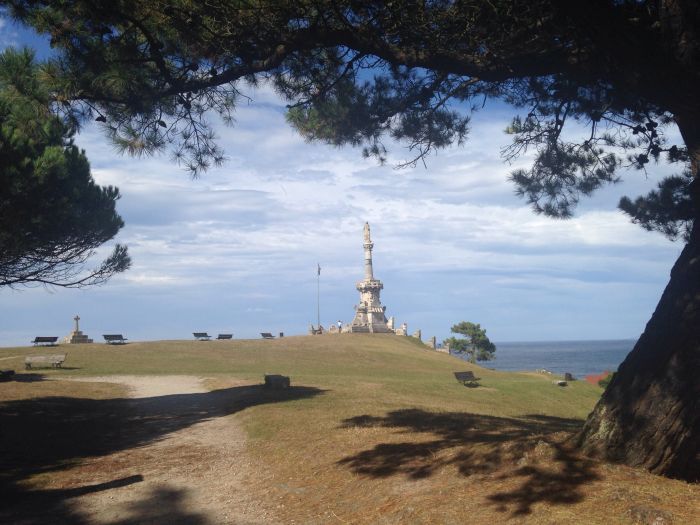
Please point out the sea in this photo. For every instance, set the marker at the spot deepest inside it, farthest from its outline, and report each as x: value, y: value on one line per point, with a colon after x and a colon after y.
x: 580, y: 358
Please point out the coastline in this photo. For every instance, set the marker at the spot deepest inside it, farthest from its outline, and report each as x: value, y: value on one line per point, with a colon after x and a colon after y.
x: 580, y: 358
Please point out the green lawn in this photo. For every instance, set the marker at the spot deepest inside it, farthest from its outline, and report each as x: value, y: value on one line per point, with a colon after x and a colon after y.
x: 382, y: 368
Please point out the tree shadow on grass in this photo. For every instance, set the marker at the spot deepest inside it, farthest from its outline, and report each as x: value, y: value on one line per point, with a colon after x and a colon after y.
x: 25, y: 377
x: 48, y: 368
x: 49, y: 434
x: 530, y: 448
x: 164, y: 505
x: 30, y: 376
x: 161, y: 505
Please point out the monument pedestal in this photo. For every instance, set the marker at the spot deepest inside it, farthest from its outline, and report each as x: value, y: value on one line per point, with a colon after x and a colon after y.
x: 76, y: 336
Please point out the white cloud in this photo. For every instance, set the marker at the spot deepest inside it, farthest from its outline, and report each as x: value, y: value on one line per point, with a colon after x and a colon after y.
x: 238, y: 247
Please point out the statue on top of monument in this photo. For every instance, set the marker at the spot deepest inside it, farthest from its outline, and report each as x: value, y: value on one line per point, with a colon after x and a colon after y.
x: 367, y: 239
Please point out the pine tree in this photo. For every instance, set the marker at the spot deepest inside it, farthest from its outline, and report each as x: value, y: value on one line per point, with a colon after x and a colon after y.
x: 52, y: 214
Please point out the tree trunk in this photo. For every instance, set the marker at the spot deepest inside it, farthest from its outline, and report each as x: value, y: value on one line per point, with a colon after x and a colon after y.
x: 649, y: 416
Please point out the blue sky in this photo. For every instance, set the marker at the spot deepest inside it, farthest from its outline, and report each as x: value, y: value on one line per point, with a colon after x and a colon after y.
x: 236, y: 250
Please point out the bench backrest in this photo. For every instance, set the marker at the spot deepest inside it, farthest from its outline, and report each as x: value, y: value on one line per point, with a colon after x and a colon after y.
x: 465, y: 376
x: 110, y: 337
x: 43, y: 339
x: 55, y: 358
x: 200, y: 334
x: 225, y: 336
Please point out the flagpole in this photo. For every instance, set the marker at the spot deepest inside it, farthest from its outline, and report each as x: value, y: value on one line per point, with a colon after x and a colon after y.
x: 318, y: 297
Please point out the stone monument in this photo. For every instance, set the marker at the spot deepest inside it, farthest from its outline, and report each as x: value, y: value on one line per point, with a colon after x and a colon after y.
x: 369, y: 314
x: 76, y: 336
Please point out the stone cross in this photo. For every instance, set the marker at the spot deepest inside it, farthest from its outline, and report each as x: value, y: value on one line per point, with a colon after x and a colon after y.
x: 76, y: 319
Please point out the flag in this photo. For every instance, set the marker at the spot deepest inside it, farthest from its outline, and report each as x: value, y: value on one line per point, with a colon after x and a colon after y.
x: 319, y: 269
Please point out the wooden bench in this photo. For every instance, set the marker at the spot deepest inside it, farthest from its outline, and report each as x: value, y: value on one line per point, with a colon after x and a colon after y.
x: 45, y: 341
x: 224, y: 336
x: 201, y: 336
x: 55, y: 360
x: 6, y: 375
x: 115, y: 339
x: 267, y: 335
x: 467, y: 378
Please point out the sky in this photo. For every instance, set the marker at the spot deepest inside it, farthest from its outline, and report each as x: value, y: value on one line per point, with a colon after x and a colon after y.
x: 236, y: 250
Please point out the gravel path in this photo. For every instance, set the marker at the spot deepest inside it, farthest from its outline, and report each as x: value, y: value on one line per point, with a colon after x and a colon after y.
x: 195, y: 475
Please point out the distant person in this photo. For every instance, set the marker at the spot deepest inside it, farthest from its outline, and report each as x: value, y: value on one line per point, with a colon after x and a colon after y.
x: 340, y: 326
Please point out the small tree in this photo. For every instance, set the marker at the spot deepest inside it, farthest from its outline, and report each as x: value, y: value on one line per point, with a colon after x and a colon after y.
x: 475, y: 344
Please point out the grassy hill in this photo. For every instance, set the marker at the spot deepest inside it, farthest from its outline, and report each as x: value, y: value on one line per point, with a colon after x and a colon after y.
x: 376, y: 429
x: 383, y: 368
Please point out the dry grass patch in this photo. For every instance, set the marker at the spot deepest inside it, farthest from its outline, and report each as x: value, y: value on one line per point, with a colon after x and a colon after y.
x: 415, y: 466
x: 32, y: 385
x: 414, y: 446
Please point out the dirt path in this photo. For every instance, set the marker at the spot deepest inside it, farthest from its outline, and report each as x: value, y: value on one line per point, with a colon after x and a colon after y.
x: 195, y: 475
x: 151, y: 386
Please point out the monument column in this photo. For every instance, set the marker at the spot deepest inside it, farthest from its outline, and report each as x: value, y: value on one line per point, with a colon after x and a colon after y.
x: 368, y: 245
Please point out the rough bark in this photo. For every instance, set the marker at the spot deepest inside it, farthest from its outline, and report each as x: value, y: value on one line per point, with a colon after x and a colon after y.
x: 649, y: 416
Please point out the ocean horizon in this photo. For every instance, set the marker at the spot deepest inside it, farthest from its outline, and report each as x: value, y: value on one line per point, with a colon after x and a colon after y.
x: 580, y: 358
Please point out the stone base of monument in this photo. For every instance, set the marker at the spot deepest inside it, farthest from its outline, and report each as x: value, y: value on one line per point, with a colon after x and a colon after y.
x: 77, y: 337
x: 276, y: 381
